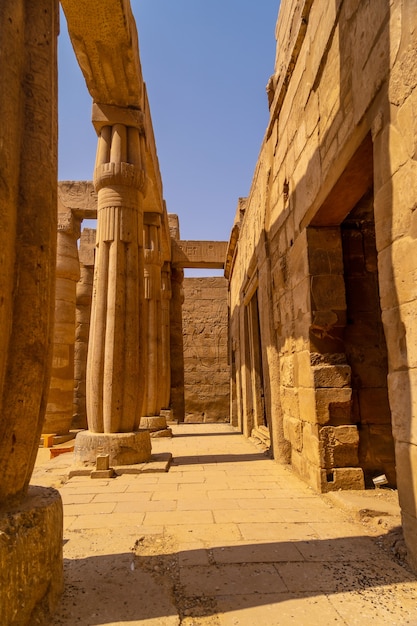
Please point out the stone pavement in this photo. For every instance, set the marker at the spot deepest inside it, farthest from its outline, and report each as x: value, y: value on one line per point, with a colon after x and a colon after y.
x: 226, y: 537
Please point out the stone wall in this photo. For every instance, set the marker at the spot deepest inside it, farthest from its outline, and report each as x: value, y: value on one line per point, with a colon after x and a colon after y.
x: 326, y: 247
x: 206, y: 372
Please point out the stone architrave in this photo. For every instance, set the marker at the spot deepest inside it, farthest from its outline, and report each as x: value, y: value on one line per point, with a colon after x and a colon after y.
x: 59, y: 410
x: 30, y: 519
x: 115, y: 362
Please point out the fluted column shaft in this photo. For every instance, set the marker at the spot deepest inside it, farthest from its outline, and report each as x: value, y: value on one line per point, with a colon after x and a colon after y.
x: 28, y: 200
x: 84, y: 294
x: 153, y: 263
x: 59, y: 409
x: 115, y: 368
x: 177, y: 345
x: 165, y: 336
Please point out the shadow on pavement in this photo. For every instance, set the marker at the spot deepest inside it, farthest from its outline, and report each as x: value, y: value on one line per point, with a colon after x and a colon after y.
x: 157, y: 582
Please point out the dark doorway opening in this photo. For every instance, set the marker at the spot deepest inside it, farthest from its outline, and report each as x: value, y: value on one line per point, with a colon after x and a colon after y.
x: 365, y: 344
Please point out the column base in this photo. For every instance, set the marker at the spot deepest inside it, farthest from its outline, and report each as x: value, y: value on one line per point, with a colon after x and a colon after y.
x: 122, y: 448
x: 169, y: 416
x: 31, y: 565
x: 156, y: 425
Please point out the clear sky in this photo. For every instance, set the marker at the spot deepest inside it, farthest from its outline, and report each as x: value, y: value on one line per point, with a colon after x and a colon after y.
x: 206, y: 64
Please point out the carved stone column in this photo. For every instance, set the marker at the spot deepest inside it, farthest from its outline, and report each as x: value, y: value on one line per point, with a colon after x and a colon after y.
x: 31, y: 518
x: 152, y: 419
x: 177, y: 345
x: 59, y: 409
x: 115, y: 367
x: 152, y: 249
x: 82, y: 325
x: 166, y: 294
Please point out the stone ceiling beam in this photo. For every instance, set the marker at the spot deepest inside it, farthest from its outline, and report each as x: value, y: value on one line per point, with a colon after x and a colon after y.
x: 105, y: 42
x: 199, y: 254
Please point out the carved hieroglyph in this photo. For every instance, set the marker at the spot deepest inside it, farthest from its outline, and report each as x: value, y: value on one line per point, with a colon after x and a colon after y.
x: 28, y: 200
x: 206, y: 370
x: 31, y: 575
x: 115, y: 372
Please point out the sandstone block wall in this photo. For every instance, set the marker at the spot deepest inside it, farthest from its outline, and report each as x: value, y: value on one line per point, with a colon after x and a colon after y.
x: 327, y: 243
x: 206, y: 371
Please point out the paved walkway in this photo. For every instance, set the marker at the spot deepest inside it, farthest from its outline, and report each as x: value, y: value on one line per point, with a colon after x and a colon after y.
x: 226, y: 538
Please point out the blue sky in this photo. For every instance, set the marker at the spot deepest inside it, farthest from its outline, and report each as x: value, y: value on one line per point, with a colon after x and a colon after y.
x: 206, y: 65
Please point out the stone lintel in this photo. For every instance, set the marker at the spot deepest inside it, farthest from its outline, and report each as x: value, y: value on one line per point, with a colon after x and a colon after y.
x: 105, y: 42
x: 199, y: 254
x: 344, y: 195
x: 107, y: 115
x: 78, y: 196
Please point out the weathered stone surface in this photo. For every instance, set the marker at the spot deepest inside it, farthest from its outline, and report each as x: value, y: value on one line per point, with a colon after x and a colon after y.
x: 333, y: 405
x: 199, y: 254
x: 177, y: 344
x: 31, y: 568
x: 154, y: 422
x: 206, y: 372
x: 339, y: 446
x: 122, y: 448
x: 311, y: 447
x: 153, y: 314
x: 342, y: 478
x: 403, y: 386
x: 409, y: 527
x: 59, y: 410
x: 84, y: 293
x: 116, y: 354
x: 293, y: 432
x: 333, y: 203
x: 122, y: 83
x: 87, y: 246
x: 79, y: 197
x: 332, y: 376
x: 28, y: 209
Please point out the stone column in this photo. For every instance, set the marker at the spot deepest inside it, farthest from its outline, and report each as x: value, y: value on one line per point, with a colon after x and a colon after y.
x: 152, y: 250
x: 30, y: 519
x: 115, y: 367
x: 82, y: 325
x: 166, y: 294
x: 177, y: 345
x: 59, y: 409
x: 153, y: 420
